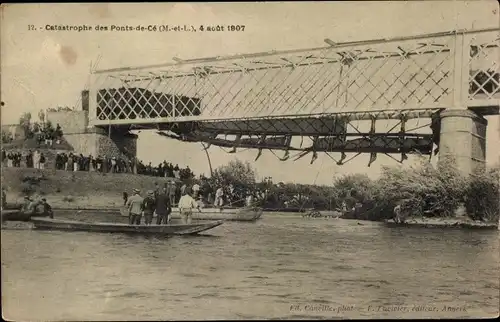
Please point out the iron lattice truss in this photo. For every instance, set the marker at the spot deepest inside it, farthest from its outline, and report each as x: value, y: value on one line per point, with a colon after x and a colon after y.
x: 408, y: 73
x: 318, y: 92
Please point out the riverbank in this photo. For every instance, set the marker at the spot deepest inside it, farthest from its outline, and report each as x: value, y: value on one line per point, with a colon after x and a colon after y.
x: 74, y: 190
x: 456, y: 222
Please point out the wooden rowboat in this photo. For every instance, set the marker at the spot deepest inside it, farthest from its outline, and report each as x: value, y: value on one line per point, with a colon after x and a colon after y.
x: 226, y: 214
x: 156, y: 230
x: 16, y: 215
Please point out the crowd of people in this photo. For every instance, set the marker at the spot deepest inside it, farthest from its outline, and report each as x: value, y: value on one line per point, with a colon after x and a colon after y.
x: 69, y: 161
x: 79, y: 162
x: 186, y: 198
x: 31, y: 159
x: 47, y: 134
x: 165, y: 169
x: 156, y: 201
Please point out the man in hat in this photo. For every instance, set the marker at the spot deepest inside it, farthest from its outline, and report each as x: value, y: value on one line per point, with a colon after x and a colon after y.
x: 163, y: 207
x: 186, y: 205
x: 148, y: 207
x: 134, y: 206
x: 157, y: 189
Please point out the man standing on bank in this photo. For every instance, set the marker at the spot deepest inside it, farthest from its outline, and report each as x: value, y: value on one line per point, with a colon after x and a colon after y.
x: 134, y: 206
x: 186, y: 205
x: 163, y: 207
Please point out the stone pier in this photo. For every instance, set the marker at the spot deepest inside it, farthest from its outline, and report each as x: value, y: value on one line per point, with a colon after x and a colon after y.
x: 463, y: 138
x: 93, y: 140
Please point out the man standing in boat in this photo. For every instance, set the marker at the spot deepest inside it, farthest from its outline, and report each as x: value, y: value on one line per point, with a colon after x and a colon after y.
x: 163, y: 207
x: 171, y: 192
x: 196, y: 190
x: 219, y: 194
x: 186, y: 205
x: 249, y: 199
x: 134, y: 206
x: 148, y: 207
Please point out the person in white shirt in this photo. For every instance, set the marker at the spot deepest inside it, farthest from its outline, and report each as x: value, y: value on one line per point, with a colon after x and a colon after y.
x: 218, y: 197
x: 196, y: 190
x: 36, y: 159
x: 249, y: 200
x: 186, y: 205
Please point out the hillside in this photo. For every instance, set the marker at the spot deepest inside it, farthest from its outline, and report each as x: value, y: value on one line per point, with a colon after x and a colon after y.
x: 74, y: 189
x: 33, y: 145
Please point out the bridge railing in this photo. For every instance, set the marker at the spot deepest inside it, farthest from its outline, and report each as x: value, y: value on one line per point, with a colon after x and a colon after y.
x: 456, y: 69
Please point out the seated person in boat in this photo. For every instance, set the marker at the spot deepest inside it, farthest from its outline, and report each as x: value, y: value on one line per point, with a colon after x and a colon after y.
x: 134, y: 207
x: 163, y: 208
x: 37, y: 207
x: 186, y: 205
x: 46, y: 209
x: 148, y: 207
x: 28, y: 206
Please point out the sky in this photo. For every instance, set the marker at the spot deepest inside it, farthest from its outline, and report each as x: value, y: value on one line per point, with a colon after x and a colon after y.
x: 43, y: 69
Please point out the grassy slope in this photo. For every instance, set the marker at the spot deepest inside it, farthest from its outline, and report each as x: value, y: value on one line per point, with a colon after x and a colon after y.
x: 32, y: 144
x: 76, y: 189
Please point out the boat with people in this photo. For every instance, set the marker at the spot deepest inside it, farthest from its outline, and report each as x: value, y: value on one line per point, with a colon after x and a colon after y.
x: 216, y: 213
x: 15, y: 215
x: 101, y: 227
x: 39, y: 209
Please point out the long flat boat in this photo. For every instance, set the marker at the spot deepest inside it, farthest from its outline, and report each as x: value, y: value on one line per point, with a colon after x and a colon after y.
x: 16, y: 215
x: 225, y: 214
x: 156, y: 230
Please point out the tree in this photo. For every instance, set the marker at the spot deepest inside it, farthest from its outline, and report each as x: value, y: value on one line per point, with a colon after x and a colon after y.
x: 237, y: 173
x: 6, y: 136
x: 353, y: 188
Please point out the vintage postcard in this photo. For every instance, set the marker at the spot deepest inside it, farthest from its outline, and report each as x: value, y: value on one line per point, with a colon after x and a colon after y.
x: 258, y: 160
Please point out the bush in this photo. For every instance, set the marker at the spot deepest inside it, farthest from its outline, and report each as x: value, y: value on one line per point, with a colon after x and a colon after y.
x: 6, y: 137
x: 421, y: 190
x: 353, y: 188
x: 482, y: 200
x: 28, y: 189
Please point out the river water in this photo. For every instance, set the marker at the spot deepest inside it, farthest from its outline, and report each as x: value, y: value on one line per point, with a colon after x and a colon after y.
x: 281, y: 267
